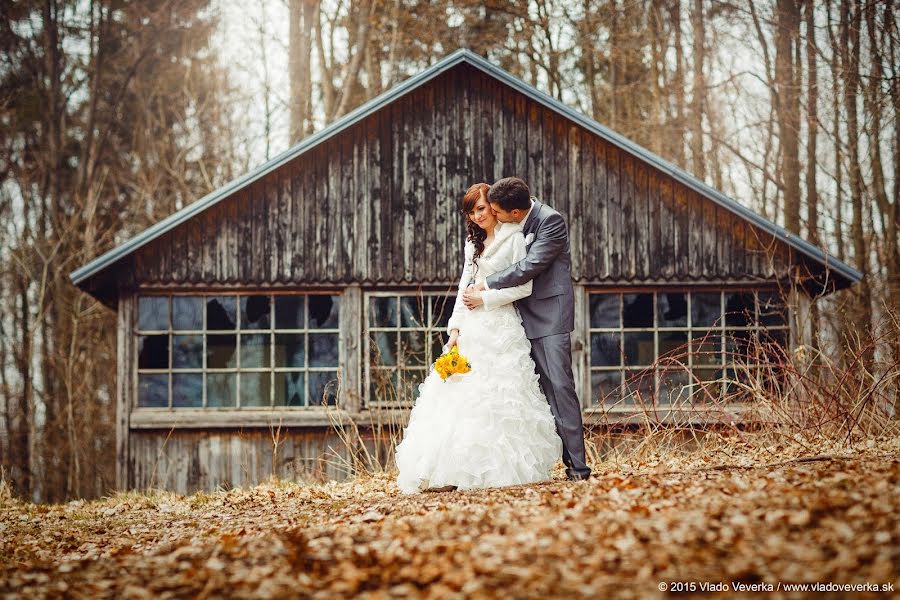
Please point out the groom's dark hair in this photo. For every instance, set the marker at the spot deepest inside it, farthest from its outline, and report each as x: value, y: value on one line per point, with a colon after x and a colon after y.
x: 510, y: 193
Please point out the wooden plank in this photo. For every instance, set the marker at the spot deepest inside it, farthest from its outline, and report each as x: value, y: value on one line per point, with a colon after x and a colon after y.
x: 667, y: 228
x: 724, y: 241
x: 629, y: 225
x: 575, y: 210
x: 125, y: 385
x: 680, y: 215
x: 299, y: 237
x: 642, y: 222
x: 351, y: 324
x: 580, y: 342
x: 712, y: 241
x: 696, y: 229
x: 271, y: 265
x: 738, y: 251
x: 424, y: 245
x: 443, y: 196
x: 601, y: 210
x: 614, y: 213
x: 520, y: 145
x: 654, y: 243
x: 334, y: 260
x: 535, y: 175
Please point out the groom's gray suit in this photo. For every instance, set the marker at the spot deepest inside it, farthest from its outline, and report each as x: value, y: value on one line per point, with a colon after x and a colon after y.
x: 548, y: 316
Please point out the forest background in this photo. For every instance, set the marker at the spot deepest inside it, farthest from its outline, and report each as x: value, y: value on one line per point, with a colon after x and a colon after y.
x: 115, y: 114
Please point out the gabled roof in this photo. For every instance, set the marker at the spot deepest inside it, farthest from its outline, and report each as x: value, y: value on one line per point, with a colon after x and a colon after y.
x: 461, y: 56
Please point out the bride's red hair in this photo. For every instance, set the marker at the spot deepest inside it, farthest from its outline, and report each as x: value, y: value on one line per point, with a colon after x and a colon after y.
x: 474, y: 233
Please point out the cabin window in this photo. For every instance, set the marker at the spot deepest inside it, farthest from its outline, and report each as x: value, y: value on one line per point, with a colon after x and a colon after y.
x: 224, y: 351
x: 672, y: 346
x: 405, y: 333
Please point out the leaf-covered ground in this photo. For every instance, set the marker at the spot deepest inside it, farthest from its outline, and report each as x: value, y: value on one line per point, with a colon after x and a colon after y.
x: 745, y: 516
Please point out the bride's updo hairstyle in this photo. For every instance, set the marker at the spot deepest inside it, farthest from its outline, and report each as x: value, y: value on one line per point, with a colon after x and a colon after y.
x: 475, y: 234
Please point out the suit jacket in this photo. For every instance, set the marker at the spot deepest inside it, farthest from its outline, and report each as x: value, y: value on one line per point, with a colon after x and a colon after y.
x: 550, y: 309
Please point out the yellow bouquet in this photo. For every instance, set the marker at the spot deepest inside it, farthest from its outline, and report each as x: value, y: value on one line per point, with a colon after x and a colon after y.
x: 451, y: 363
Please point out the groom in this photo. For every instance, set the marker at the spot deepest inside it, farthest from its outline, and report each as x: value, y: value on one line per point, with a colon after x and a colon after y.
x: 548, y: 314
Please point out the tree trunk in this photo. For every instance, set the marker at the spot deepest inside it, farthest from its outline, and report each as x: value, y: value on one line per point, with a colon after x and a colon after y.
x: 788, y: 108
x: 698, y: 91
x: 678, y: 85
x: 850, y: 23
x: 302, y: 13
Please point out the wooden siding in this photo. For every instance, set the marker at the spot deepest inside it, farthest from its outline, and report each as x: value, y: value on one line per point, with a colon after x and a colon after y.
x: 378, y: 204
x: 186, y: 461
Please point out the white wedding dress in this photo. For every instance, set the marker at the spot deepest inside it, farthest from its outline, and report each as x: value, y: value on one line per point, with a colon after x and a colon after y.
x: 491, y: 426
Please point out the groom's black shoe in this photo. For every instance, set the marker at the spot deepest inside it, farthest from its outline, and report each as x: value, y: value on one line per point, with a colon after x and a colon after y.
x: 577, y: 477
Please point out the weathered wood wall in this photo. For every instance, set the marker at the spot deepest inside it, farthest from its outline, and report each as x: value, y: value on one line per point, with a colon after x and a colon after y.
x: 194, y: 459
x: 378, y: 203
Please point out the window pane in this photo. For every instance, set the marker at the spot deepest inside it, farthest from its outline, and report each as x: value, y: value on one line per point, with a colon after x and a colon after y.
x: 256, y: 312
x: 772, y: 309
x: 322, y: 387
x: 437, y: 345
x: 638, y: 349
x: 739, y: 309
x: 323, y: 350
x: 187, y: 390
x: 382, y: 385
x: 153, y: 391
x: 605, y: 350
x: 412, y: 311
x: 255, y: 350
x: 674, y: 386
x: 706, y: 310
x: 153, y: 351
x: 153, y: 313
x: 412, y: 347
x: 221, y: 313
x: 382, y: 311
x: 289, y: 350
x: 606, y: 386
x: 289, y: 389
x: 290, y: 312
x: 707, y: 347
x: 221, y: 389
x: 709, y: 387
x: 671, y: 310
x: 384, y: 348
x: 408, y: 384
x: 673, y: 345
x: 738, y: 345
x: 221, y: 351
x: 187, y: 351
x: 255, y: 389
x: 639, y: 388
x: 187, y: 313
x: 605, y: 310
x: 323, y: 311
x: 773, y: 343
x: 637, y: 310
x: 441, y: 309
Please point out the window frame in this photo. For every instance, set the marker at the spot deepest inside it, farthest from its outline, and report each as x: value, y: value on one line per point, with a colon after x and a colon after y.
x: 627, y: 373
x: 424, y: 293
x: 238, y: 331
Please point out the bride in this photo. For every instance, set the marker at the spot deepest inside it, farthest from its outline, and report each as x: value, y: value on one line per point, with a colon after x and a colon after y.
x: 491, y: 426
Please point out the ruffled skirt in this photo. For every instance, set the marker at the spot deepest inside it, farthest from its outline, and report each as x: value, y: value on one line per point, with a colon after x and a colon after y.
x: 489, y: 427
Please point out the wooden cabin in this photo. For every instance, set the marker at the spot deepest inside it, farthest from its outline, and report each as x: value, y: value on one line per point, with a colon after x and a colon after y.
x: 317, y: 286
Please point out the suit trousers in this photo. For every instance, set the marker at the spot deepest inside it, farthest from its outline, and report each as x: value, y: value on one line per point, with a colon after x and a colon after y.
x: 552, y: 356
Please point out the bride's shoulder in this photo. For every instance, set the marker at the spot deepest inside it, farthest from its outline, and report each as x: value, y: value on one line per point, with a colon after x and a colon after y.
x: 469, y: 248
